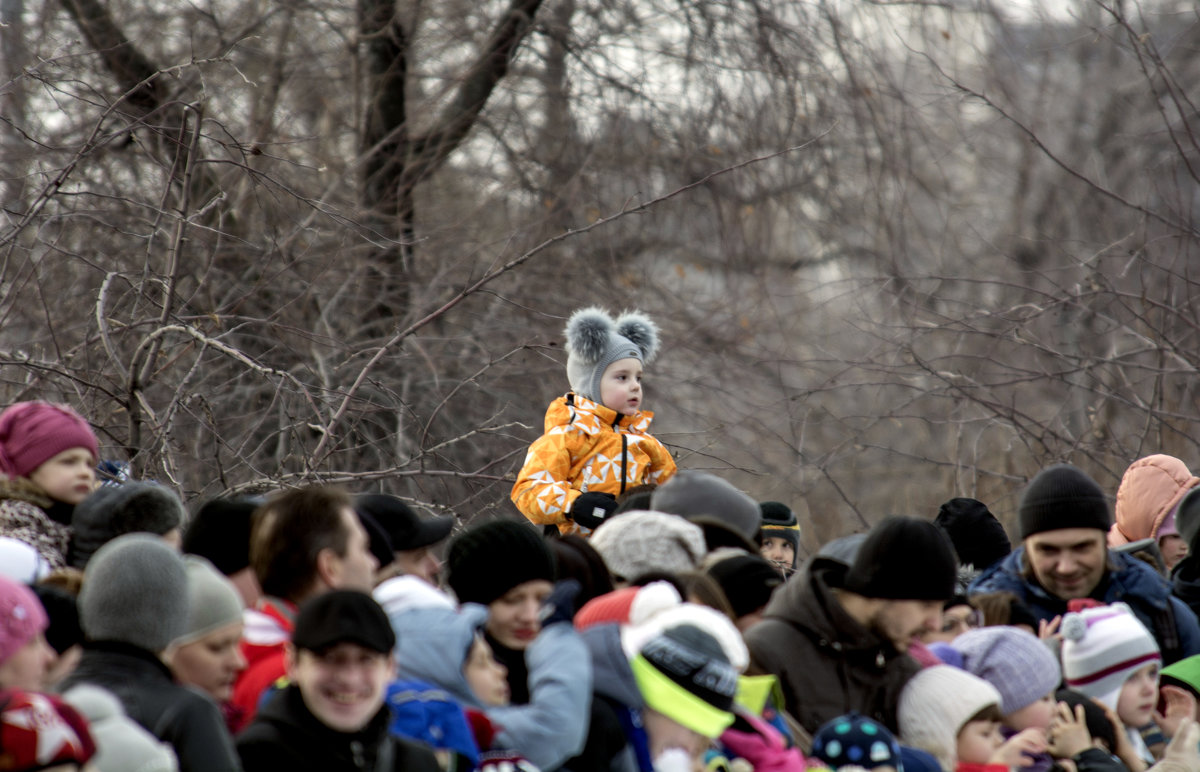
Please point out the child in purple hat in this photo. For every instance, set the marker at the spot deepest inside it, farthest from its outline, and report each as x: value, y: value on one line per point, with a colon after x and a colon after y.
x: 47, y: 458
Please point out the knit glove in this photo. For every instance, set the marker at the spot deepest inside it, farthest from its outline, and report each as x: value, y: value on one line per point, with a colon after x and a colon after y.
x: 560, y: 605
x: 590, y: 509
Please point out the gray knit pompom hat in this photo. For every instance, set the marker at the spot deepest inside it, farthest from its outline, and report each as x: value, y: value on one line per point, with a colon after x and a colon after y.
x: 595, y: 340
x: 135, y: 591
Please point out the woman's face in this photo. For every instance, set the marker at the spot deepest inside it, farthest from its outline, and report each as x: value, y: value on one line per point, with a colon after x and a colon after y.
x: 513, y: 617
x: 211, y: 663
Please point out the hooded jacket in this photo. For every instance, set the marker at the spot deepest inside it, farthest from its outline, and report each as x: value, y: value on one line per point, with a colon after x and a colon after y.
x: 549, y: 729
x: 286, y: 735
x: 1150, y: 489
x: 827, y: 663
x: 1148, y: 594
x: 586, y: 447
x: 617, y: 708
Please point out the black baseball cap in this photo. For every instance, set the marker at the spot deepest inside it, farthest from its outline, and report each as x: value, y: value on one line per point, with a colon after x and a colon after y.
x: 343, y: 616
x: 404, y: 528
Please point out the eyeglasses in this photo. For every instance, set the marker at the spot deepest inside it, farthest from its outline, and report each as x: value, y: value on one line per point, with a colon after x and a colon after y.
x: 953, y: 622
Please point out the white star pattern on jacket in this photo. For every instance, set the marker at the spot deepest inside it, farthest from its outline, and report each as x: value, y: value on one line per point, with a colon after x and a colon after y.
x: 42, y: 719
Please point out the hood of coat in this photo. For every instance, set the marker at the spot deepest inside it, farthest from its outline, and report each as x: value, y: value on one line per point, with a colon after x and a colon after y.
x: 591, y: 417
x: 1149, y: 491
x: 612, y: 676
x: 433, y: 643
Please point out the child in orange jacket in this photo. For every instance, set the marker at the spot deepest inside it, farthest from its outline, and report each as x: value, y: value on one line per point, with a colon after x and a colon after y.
x: 596, y: 443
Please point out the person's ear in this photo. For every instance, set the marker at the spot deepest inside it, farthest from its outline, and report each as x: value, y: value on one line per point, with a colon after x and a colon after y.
x: 329, y: 567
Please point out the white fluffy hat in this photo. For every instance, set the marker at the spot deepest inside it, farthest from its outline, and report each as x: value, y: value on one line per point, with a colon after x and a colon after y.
x: 595, y: 340
x: 936, y: 703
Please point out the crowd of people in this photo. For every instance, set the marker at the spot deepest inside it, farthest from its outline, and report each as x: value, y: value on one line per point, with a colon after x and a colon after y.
x: 637, y: 618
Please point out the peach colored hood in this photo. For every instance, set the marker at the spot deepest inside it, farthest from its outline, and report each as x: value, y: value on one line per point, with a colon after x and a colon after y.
x: 1150, y: 489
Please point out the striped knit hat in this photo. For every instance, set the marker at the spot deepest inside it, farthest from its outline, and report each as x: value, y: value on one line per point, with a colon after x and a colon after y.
x: 1103, y: 647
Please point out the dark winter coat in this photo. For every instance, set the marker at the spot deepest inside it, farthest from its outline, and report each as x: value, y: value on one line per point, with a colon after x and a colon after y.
x: 188, y: 720
x: 827, y: 663
x: 1133, y: 582
x: 285, y: 735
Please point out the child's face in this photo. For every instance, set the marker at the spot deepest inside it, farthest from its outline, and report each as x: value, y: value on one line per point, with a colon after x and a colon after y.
x: 978, y: 740
x: 1139, y: 696
x: 621, y: 386
x: 1173, y: 549
x: 487, y: 678
x: 68, y: 477
x: 779, y: 551
x: 1034, y: 715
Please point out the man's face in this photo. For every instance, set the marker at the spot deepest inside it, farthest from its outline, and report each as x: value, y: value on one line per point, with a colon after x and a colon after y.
x: 900, y: 621
x: 419, y: 562
x: 1068, y: 562
x: 343, y: 686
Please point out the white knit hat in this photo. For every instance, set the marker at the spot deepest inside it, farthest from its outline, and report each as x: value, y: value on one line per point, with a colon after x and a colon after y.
x: 638, y: 542
x: 1103, y: 647
x: 935, y: 705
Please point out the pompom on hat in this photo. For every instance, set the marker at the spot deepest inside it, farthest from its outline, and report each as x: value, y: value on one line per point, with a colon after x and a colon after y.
x: 1102, y: 647
x: 21, y: 617
x: 1062, y: 496
x: 31, y: 433
x: 628, y: 606
x: 595, y: 340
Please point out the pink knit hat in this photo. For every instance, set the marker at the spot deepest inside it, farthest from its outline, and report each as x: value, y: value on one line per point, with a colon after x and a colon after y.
x: 33, y: 432
x: 21, y: 617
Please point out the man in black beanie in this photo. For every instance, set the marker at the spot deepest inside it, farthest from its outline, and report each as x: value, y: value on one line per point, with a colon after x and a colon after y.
x: 1064, y: 519
x: 837, y: 636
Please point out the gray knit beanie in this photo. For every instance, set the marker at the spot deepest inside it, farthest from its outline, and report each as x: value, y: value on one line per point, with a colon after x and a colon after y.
x: 135, y: 590
x: 595, y: 341
x: 128, y: 508
x: 213, y: 601
x: 694, y: 494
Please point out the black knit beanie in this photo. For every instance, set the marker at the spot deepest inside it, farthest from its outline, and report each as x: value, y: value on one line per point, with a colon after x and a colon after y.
x: 903, y: 558
x: 1063, y: 496
x: 976, y: 534
x: 488, y: 560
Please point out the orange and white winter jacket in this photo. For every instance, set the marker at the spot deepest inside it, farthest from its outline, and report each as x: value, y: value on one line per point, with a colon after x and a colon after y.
x: 586, y: 447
